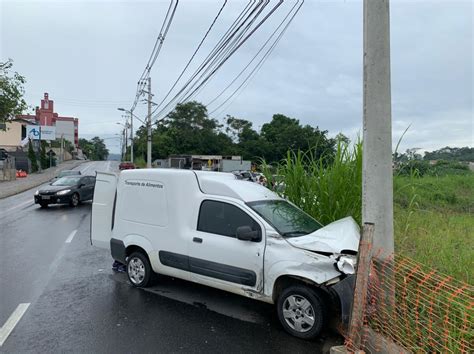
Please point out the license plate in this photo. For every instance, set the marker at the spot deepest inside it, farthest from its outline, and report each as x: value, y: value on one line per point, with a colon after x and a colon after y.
x: 45, y: 197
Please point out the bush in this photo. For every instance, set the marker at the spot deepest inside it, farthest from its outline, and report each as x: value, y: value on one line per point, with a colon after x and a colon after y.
x: 423, y: 168
x: 328, y: 188
x: 32, y: 157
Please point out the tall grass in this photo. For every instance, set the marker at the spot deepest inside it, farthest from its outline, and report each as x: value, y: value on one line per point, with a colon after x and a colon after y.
x: 434, y: 222
x: 140, y: 162
x: 433, y: 216
x: 328, y: 187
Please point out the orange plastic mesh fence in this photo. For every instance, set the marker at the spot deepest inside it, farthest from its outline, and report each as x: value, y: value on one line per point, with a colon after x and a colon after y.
x: 415, y: 307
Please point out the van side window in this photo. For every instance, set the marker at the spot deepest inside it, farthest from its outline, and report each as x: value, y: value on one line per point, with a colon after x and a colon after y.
x: 223, y: 219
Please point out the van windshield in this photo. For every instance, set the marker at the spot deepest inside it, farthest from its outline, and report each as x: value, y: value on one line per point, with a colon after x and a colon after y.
x: 287, y: 219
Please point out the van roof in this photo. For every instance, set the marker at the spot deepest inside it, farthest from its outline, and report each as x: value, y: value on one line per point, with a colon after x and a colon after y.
x: 213, y: 183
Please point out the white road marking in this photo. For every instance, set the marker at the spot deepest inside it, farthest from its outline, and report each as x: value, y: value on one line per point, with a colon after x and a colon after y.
x: 12, y: 321
x: 88, y: 166
x: 70, y: 237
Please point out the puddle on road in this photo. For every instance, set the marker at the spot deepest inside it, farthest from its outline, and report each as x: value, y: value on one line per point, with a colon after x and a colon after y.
x: 204, y: 297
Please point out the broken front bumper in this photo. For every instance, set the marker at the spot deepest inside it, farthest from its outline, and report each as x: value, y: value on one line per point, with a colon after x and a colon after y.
x: 344, y: 292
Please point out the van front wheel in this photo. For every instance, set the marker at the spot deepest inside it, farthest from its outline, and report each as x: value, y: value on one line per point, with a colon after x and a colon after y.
x: 301, y: 311
x: 139, y: 270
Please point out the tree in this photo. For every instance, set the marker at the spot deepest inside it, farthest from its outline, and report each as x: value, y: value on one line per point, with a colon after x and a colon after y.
x: 189, y: 130
x: 94, y: 149
x: 100, y: 151
x: 44, y: 160
x: 12, y: 91
x: 284, y: 133
x: 32, y: 157
x: 451, y: 154
x: 236, y: 127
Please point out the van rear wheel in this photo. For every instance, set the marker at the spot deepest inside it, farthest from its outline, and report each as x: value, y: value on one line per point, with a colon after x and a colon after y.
x: 139, y: 270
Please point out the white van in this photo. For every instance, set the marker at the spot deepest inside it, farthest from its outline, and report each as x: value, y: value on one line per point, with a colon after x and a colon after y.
x: 238, y: 236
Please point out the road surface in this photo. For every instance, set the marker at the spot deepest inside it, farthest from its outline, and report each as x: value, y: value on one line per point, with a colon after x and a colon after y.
x: 58, y: 293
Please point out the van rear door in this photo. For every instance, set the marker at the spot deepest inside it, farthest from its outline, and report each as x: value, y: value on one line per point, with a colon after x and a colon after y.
x: 103, y: 209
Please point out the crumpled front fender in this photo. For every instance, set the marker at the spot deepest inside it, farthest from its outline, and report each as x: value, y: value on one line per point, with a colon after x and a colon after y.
x: 343, y: 291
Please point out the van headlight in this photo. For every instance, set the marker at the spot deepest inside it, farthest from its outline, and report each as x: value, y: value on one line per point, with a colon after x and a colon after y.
x: 37, y: 192
x: 346, y: 264
x: 66, y: 191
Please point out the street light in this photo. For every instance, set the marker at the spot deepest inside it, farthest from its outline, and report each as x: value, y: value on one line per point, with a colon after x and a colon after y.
x: 131, y: 129
x: 125, y: 126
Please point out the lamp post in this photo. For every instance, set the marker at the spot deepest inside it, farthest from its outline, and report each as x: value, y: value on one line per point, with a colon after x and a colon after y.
x: 131, y: 128
x: 125, y: 136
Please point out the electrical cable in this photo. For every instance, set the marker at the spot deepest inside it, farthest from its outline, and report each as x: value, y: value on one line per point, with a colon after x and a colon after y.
x: 230, y: 50
x: 234, y: 50
x: 194, y: 54
x: 156, y: 51
x: 218, y: 47
x: 261, y: 61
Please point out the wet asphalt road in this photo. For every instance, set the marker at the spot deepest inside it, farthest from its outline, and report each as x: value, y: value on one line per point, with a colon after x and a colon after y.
x: 79, y: 304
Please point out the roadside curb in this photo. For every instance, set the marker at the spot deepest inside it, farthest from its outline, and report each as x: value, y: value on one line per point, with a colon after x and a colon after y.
x: 12, y: 189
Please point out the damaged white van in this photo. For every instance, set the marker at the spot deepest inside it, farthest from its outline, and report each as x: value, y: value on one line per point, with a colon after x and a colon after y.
x: 238, y: 236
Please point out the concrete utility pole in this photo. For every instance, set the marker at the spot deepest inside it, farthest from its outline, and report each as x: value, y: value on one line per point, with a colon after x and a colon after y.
x: 131, y: 135
x: 123, y: 144
x: 148, y: 124
x: 125, y: 135
x: 377, y: 175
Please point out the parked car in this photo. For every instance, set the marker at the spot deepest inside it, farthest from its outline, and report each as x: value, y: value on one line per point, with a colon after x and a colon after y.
x: 212, y: 229
x: 127, y: 165
x: 66, y: 173
x: 66, y: 190
x: 244, y: 175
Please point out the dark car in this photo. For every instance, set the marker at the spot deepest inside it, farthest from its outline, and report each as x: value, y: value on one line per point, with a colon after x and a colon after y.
x: 127, y: 165
x: 66, y: 190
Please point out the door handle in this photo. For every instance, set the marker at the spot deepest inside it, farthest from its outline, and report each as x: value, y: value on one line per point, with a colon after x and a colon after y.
x: 197, y: 239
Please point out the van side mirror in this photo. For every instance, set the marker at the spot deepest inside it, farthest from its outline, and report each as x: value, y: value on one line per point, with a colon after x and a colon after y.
x: 245, y: 233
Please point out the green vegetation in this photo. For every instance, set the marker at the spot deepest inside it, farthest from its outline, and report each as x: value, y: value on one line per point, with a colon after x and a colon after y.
x: 329, y: 187
x: 451, y: 154
x: 440, y: 168
x: 32, y: 157
x: 12, y: 91
x: 139, y: 162
x: 94, y: 149
x: 189, y: 130
x: 433, y: 215
x: 434, y: 222
x: 44, y: 159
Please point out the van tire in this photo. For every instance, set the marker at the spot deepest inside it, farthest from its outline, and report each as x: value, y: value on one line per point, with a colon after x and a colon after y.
x: 300, y: 318
x: 139, y: 270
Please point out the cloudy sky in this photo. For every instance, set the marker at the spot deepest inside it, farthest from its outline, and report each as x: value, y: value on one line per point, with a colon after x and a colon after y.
x: 89, y: 55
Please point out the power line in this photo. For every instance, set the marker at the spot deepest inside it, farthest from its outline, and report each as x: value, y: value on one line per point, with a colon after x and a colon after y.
x: 224, y: 52
x: 262, y: 60
x: 156, y: 50
x: 213, y: 52
x: 194, y: 54
x: 235, y: 49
